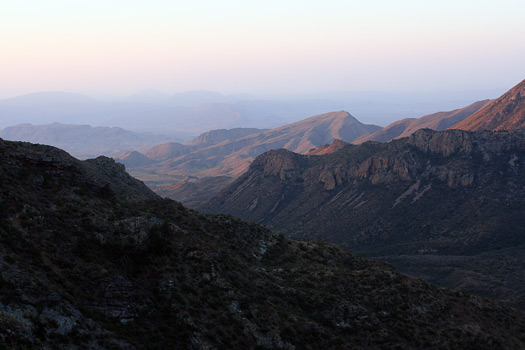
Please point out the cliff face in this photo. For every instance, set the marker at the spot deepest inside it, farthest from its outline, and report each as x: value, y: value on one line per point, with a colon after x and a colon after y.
x: 411, y: 159
x: 441, y: 193
x: 505, y: 113
x: 92, y: 259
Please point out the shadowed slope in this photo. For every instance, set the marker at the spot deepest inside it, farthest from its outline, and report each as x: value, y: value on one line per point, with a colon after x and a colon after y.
x: 91, y: 259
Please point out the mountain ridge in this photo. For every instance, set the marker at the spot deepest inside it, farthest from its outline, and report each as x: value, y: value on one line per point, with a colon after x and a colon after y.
x: 83, y: 141
x: 504, y: 113
x: 451, y: 193
x: 232, y: 157
x: 436, y: 121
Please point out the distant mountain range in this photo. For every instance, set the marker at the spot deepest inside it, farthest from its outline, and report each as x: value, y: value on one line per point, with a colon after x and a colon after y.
x: 181, y: 115
x: 231, y: 158
x: 83, y: 141
x: 214, y: 137
x: 230, y: 152
x: 186, y: 114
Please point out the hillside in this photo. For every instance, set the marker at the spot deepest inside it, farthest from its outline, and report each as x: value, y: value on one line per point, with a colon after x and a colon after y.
x: 193, y: 191
x: 433, y: 194
x: 92, y: 259
x: 505, y: 113
x: 436, y: 121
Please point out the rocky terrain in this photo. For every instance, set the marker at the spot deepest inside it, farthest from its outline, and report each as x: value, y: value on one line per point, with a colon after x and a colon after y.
x: 92, y: 259
x: 229, y: 153
x: 414, y: 201
x: 504, y: 113
x: 436, y: 121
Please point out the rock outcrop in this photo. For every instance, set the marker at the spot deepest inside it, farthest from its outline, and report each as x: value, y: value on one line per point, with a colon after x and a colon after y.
x: 445, y: 193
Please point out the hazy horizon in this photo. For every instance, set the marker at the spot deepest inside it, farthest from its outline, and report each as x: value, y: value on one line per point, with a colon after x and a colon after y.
x: 290, y: 48
x: 152, y: 111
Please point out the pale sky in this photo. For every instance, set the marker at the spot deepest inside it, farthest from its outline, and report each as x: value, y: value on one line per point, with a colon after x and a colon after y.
x: 285, y: 46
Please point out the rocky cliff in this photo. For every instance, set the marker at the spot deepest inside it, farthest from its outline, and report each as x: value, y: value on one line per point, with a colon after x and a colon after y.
x: 441, y: 193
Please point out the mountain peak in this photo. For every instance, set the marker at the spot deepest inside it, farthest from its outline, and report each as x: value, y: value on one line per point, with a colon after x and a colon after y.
x: 505, y: 113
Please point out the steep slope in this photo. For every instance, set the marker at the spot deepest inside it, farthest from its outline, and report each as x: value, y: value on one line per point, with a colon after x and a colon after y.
x: 437, y: 121
x: 214, y: 137
x: 433, y: 193
x: 83, y: 141
x: 91, y: 264
x: 505, y: 113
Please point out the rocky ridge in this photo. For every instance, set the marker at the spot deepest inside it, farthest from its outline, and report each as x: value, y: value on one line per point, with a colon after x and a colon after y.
x: 505, y: 113
x: 210, y: 155
x: 442, y: 193
x: 436, y: 121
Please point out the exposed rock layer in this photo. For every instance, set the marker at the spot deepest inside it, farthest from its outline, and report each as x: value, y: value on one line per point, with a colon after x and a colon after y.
x: 444, y: 193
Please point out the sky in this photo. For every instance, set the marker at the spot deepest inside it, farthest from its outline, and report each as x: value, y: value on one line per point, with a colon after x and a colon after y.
x: 266, y: 47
